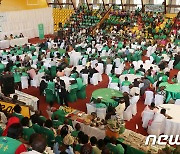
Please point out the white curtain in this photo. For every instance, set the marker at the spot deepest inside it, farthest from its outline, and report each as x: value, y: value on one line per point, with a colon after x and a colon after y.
x: 26, y: 22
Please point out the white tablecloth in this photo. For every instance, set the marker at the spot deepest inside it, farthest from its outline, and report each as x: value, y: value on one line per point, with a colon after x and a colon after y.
x: 27, y: 99
x: 19, y: 41
x: 131, y: 77
x: 91, y: 131
x: 147, y: 66
x: 4, y: 44
x: 172, y: 126
x: 67, y: 81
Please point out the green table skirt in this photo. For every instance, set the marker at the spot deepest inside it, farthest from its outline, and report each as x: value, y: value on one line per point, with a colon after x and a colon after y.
x: 106, y: 95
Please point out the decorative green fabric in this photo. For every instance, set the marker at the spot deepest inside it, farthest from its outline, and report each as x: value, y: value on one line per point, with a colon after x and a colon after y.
x: 51, y: 86
x: 75, y: 133
x: 61, y: 115
x: 50, y: 96
x: 82, y: 92
x: 79, y: 83
x: 53, y: 71
x: 72, y: 96
x: 8, y: 145
x: 106, y: 95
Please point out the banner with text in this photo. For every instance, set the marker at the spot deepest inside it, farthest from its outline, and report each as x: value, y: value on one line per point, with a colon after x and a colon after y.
x: 9, y: 108
x: 41, y: 31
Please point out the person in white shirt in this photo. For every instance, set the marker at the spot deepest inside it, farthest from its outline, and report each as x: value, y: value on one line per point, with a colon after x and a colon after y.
x: 120, y: 108
x: 66, y: 122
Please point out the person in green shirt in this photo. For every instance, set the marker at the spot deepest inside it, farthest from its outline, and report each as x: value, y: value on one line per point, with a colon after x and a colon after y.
x: 17, y: 80
x: 126, y: 82
x: 114, y: 147
x: 35, y: 124
x: 17, y: 112
x: 48, y: 132
x: 79, y: 82
x: 77, y: 130
x: 98, y: 103
x: 27, y: 131
x: 56, y: 122
x: 132, y: 70
x: 93, y: 141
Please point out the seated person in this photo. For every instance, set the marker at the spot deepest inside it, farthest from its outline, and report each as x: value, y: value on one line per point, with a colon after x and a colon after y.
x: 120, y: 108
x: 66, y: 123
x: 11, y: 143
x: 98, y: 103
x: 151, y: 107
x: 114, y: 147
x: 126, y: 82
x: 17, y: 112
x: 84, y: 70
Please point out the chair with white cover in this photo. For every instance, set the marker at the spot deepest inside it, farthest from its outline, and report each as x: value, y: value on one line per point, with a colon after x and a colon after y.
x: 113, y: 86
x: 40, y: 75
x: 100, y: 77
x: 146, y: 116
x: 140, y: 62
x: 103, y: 53
x: 127, y: 114
x: 133, y: 102
x: 24, y: 82
x: 135, y: 63
x: 35, y: 81
x: 125, y: 89
x: 147, y: 62
x: 108, y: 68
x: 85, y: 78
x: 101, y: 113
x: 177, y: 102
x: 118, y: 71
x: 101, y: 67
x: 158, y: 100
x: 90, y: 108
x: 178, y: 77
x: 84, y: 61
x: 94, y: 79
x: 149, y: 96
x: 151, y: 59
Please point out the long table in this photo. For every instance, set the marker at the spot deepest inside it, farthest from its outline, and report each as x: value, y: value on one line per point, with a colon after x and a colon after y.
x: 18, y: 41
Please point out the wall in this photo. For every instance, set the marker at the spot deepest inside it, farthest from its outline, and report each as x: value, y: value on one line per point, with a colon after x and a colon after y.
x: 16, y: 5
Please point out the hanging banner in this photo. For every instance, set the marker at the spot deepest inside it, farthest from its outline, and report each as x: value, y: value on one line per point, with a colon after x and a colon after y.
x: 10, y: 106
x: 41, y: 31
x: 154, y: 8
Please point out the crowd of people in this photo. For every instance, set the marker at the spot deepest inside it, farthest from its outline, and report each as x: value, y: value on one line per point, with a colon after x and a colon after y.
x: 114, y: 44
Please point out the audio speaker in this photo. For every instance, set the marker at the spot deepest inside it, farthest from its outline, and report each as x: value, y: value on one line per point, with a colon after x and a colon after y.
x: 7, y: 84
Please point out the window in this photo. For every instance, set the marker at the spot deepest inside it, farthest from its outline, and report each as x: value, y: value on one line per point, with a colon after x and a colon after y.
x: 138, y: 2
x: 158, y: 1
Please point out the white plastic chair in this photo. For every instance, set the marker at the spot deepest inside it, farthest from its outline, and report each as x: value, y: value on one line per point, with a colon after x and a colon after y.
x: 146, y: 116
x: 24, y: 82
x: 127, y: 115
x: 90, y: 108
x: 100, y: 65
x: 158, y: 100
x: 108, y: 69
x: 85, y: 78
x: 101, y: 113
x: 149, y: 96
x: 94, y: 79
x: 177, y: 102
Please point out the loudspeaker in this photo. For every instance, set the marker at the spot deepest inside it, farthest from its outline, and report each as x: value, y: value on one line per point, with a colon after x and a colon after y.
x: 60, y: 25
x: 7, y: 84
x: 60, y: 33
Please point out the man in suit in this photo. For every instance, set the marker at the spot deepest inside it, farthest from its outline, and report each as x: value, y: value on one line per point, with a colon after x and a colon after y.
x: 61, y: 88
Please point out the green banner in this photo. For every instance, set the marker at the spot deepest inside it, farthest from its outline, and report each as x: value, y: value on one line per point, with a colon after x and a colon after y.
x: 41, y: 31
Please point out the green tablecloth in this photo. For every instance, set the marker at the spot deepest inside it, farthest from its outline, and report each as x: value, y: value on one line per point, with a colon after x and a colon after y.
x: 173, y: 90
x: 106, y: 94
